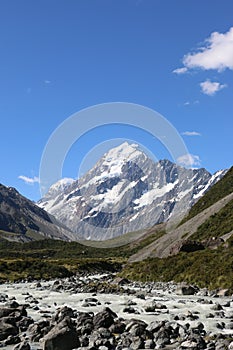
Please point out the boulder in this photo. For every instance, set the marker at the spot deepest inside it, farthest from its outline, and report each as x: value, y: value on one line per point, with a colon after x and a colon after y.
x: 12, y: 339
x: 216, y: 307
x: 187, y: 246
x: 155, y: 326
x: 185, y: 289
x: 130, y: 310
x: 104, y: 318
x: 118, y: 327
x: 64, y: 338
x: 38, y: 330
x: 24, y: 323
x: 7, y: 329
x: 62, y: 313
x: 189, y: 344
x: 223, y: 292
x: 137, y: 343
x: 121, y: 281
x: 153, y: 306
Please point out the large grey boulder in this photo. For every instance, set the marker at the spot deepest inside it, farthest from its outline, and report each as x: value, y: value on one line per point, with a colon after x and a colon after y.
x: 104, y: 318
x: 64, y: 338
x: 186, y: 289
x: 7, y: 329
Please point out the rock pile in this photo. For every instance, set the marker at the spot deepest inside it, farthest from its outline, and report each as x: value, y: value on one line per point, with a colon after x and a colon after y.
x: 68, y: 329
x: 91, y: 324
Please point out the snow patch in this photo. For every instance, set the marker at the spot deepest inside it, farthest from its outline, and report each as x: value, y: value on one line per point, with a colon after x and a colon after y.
x: 156, y: 192
x: 214, y: 178
x: 112, y: 196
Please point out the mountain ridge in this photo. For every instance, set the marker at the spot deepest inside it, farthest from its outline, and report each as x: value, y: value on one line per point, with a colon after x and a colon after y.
x: 126, y: 191
x: 21, y: 219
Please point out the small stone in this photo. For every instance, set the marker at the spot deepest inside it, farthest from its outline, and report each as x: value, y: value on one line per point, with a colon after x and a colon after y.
x: 189, y: 344
x: 216, y: 307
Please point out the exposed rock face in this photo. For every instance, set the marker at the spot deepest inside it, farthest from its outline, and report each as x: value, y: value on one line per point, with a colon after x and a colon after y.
x: 20, y: 215
x: 126, y: 191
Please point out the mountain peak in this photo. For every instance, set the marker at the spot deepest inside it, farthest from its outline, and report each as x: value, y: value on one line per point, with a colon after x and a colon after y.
x: 124, y: 151
x: 126, y: 191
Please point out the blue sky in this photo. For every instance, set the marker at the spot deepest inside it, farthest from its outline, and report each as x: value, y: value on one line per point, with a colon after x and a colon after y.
x: 58, y: 57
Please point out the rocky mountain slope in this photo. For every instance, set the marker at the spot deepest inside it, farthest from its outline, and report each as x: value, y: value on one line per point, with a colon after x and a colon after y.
x: 126, y: 191
x: 199, y: 250
x: 22, y: 220
x: 171, y: 242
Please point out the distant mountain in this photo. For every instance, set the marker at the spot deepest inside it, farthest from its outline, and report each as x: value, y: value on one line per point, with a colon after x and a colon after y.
x: 22, y: 220
x: 126, y: 191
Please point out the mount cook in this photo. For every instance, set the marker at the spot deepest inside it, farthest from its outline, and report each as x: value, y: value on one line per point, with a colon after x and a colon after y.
x: 126, y: 191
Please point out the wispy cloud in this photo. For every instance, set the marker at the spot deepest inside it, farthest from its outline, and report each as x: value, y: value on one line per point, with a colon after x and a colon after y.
x: 189, y: 160
x: 211, y: 87
x: 29, y: 180
x: 191, y: 133
x: 188, y: 103
x: 47, y: 81
x: 180, y: 70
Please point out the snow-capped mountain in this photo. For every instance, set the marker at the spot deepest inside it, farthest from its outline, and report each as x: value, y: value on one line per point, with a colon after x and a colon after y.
x: 126, y: 191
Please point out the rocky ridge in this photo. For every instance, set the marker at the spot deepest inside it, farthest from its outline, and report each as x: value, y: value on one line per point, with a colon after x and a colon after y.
x: 23, y: 220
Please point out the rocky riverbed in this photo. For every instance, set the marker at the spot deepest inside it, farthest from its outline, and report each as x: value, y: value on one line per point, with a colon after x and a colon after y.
x: 105, y: 312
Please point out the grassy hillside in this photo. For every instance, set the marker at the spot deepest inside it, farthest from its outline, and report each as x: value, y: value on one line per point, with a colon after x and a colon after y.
x: 208, y: 268
x: 53, y: 258
x: 217, y: 225
x: 56, y: 249
x: 220, y: 190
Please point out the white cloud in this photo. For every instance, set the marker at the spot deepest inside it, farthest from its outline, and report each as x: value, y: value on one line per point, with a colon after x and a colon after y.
x: 189, y: 160
x: 180, y: 70
x: 189, y: 103
x: 211, y: 87
x: 29, y: 180
x: 216, y: 54
x: 191, y: 133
